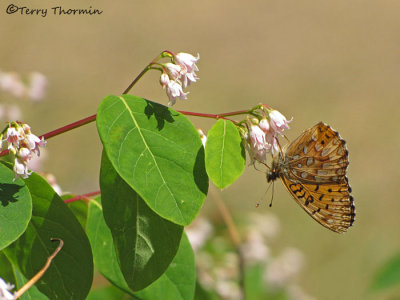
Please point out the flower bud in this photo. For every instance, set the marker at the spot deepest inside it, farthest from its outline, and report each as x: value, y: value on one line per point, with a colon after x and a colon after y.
x: 278, y: 122
x: 164, y: 80
x: 264, y: 125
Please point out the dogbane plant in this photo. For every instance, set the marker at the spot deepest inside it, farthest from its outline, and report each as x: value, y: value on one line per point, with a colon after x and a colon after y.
x: 154, y: 178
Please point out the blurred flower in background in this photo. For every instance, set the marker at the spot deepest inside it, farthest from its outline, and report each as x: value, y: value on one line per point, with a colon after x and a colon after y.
x: 266, y: 275
x: 31, y: 87
x: 37, y: 86
x: 5, y: 290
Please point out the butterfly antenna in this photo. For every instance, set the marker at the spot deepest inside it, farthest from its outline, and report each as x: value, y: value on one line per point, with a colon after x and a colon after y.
x: 258, y: 204
x: 280, y: 149
x: 272, y: 197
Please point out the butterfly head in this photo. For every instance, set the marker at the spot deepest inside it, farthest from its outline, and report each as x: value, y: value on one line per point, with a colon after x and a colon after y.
x: 272, y: 175
x: 274, y: 171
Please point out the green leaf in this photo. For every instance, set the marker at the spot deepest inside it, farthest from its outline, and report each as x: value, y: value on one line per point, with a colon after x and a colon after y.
x: 145, y: 243
x: 179, y: 281
x: 388, y: 275
x: 15, y: 207
x: 255, y: 287
x: 107, y: 293
x: 203, y: 294
x: 32, y: 293
x: 225, y: 155
x: 158, y: 152
x: 71, y: 272
x: 78, y: 208
x: 6, y: 270
x: 104, y: 256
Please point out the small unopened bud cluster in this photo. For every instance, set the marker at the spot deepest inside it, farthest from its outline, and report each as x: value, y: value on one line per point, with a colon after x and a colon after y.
x: 178, y: 74
x: 261, y: 132
x: 23, y: 144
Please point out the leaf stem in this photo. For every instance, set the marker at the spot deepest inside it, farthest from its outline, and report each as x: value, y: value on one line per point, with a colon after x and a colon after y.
x: 148, y: 67
x: 35, y: 278
x: 82, y: 197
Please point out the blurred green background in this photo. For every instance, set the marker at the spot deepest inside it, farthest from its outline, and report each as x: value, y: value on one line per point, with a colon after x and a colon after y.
x: 332, y: 61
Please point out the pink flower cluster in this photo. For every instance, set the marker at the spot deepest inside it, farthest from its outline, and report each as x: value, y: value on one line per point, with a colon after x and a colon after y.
x: 5, y: 289
x: 262, y: 135
x: 22, y: 143
x: 178, y: 74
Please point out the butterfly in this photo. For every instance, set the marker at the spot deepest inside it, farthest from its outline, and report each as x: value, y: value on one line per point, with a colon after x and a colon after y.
x: 313, y: 169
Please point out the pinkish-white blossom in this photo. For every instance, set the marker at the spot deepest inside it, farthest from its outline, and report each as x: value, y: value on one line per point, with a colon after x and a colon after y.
x: 187, y: 61
x: 21, y: 169
x: 164, y: 80
x: 188, y: 64
x: 174, y: 71
x: 272, y: 142
x: 256, y: 144
x: 188, y: 78
x: 264, y: 125
x: 174, y: 90
x: 278, y: 122
x: 24, y: 154
x: 257, y: 137
x: 5, y: 289
x: 13, y: 138
x: 23, y: 144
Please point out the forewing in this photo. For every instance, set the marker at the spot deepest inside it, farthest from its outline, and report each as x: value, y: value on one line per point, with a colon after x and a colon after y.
x: 314, y: 172
x: 331, y: 205
x: 317, y: 155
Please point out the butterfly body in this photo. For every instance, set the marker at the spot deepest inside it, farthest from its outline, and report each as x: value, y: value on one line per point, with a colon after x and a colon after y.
x: 313, y: 169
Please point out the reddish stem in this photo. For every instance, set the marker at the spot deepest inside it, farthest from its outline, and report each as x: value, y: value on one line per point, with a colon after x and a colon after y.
x: 69, y: 127
x: 82, y: 197
x: 93, y: 118
x: 214, y: 116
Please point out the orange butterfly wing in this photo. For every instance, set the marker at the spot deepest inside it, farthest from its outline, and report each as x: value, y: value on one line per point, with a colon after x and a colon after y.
x: 314, y: 171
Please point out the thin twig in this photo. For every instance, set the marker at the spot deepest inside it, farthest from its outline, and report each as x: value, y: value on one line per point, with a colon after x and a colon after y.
x: 83, y: 197
x: 35, y: 278
x: 233, y: 234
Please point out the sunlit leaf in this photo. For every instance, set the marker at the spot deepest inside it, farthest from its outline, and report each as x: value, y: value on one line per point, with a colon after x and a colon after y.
x: 388, y: 275
x: 225, y: 156
x: 179, y: 281
x: 71, y: 272
x: 15, y: 207
x: 158, y: 152
x: 145, y: 243
x: 78, y: 208
x: 104, y: 256
x: 107, y: 293
x: 176, y: 283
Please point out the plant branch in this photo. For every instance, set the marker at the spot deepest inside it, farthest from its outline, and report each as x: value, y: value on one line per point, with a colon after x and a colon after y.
x: 83, y: 197
x: 233, y: 234
x: 35, y: 278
